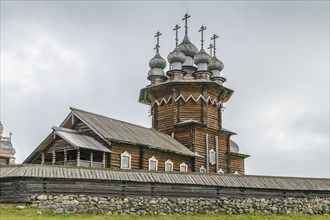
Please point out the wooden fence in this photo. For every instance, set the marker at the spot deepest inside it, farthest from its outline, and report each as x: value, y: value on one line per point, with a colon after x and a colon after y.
x: 17, y: 184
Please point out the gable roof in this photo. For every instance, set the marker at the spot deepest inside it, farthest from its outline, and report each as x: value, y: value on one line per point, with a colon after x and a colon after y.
x: 78, y: 140
x: 123, y: 132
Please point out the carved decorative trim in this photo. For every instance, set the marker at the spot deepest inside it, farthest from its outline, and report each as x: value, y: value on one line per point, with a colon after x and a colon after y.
x: 208, y: 100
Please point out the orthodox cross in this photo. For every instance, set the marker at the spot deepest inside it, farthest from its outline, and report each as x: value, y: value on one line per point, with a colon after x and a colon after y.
x: 214, y: 38
x: 203, y: 28
x: 186, y: 16
x: 176, y: 28
x: 157, y: 45
x: 210, y: 47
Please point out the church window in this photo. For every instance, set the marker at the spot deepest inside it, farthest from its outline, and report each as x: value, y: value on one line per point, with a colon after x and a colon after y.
x: 212, y: 156
x: 168, y: 165
x: 125, y: 160
x: 153, y: 163
x: 183, y: 167
x: 202, y: 169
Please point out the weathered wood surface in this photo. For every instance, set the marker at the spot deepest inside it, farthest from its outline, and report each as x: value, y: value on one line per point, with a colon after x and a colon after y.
x: 123, y: 132
x: 232, y: 181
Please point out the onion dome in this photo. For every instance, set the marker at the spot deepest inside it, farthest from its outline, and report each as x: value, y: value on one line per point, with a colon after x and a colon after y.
x: 157, y: 62
x: 202, y: 57
x: 215, y: 64
x: 187, y: 48
x: 176, y: 56
x: 150, y: 73
x: 234, y: 148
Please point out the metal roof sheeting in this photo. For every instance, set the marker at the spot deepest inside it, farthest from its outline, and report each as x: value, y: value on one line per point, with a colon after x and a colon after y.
x: 120, y: 131
x: 237, y: 181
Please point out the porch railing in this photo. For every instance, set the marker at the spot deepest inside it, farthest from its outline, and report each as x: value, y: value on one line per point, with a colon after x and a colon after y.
x: 82, y: 163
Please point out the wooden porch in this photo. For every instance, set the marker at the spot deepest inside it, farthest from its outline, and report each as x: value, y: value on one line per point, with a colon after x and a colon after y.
x: 75, y: 157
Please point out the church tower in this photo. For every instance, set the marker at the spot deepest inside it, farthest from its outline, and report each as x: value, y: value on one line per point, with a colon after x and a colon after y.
x: 186, y: 103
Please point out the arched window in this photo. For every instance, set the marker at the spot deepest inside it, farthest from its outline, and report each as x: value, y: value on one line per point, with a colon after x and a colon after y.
x: 212, y: 156
x: 202, y: 169
x: 153, y: 163
x: 168, y: 165
x: 125, y: 160
x: 183, y: 167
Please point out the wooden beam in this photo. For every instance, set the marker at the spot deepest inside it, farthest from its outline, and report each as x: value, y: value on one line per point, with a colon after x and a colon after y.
x: 53, y: 157
x: 217, y: 154
x: 141, y: 158
x: 42, y: 158
x: 78, y: 157
x: 207, y: 152
x: 91, y: 158
x: 103, y: 160
x: 65, y: 156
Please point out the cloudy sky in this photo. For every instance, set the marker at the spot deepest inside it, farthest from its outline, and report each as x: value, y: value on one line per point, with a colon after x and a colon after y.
x: 94, y: 56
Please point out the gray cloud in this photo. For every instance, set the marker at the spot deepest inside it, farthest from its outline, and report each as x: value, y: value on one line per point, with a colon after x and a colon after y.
x: 94, y: 56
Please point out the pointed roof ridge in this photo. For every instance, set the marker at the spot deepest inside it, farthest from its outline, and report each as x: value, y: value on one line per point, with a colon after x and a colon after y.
x: 108, y: 117
x: 55, y: 128
x: 120, y: 131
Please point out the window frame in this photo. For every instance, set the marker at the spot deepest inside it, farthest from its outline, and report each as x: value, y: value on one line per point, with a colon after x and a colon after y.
x: 185, y: 166
x: 153, y: 159
x: 212, y: 156
x: 169, y: 162
x: 125, y: 154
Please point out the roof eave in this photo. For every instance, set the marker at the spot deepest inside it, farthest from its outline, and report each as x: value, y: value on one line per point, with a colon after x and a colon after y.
x: 239, y: 154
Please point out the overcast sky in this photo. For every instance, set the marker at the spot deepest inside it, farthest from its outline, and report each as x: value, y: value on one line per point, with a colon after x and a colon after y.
x: 94, y: 56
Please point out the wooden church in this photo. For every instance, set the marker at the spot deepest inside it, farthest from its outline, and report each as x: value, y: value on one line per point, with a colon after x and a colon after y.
x: 186, y: 135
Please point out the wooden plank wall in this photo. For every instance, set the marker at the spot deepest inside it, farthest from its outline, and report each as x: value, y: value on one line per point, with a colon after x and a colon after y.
x: 80, y: 126
x: 165, y: 119
x: 118, y: 149
x: 16, y: 190
x: 162, y: 157
x: 199, y: 140
x: 236, y: 164
x: 144, y: 155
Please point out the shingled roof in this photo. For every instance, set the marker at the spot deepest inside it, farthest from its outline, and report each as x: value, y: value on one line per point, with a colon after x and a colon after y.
x: 123, y: 132
x: 78, y: 140
x: 237, y: 181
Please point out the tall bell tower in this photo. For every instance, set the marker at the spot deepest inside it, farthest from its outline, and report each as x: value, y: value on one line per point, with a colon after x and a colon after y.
x: 186, y: 103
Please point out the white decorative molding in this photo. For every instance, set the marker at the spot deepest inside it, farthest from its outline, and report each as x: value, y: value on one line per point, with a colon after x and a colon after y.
x: 212, y: 156
x: 183, y: 167
x: 208, y: 100
x: 202, y: 169
x: 125, y: 156
x: 168, y: 165
x: 153, y: 159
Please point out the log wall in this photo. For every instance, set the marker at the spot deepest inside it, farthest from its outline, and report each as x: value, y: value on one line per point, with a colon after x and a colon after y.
x: 17, y: 190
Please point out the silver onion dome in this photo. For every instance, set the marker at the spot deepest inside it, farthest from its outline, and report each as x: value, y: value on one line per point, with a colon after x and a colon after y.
x: 234, y: 148
x: 157, y: 62
x: 187, y: 48
x: 150, y: 73
x: 215, y: 64
x: 202, y: 57
x: 176, y: 56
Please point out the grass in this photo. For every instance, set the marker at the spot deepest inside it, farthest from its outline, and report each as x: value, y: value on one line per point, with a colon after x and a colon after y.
x: 10, y: 212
